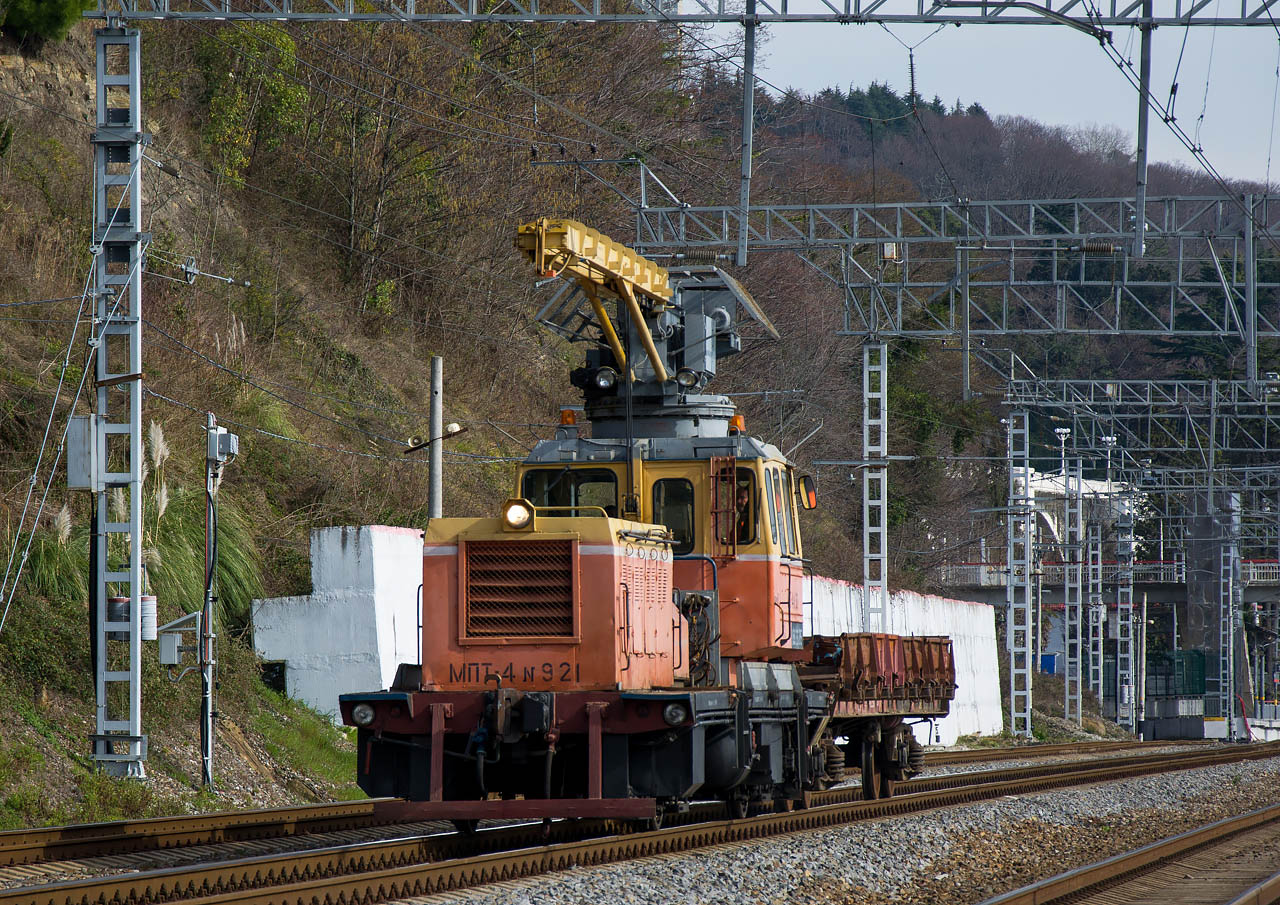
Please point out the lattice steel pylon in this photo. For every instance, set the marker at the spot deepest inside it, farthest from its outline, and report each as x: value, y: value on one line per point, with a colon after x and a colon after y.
x: 1071, y: 623
x: 1018, y: 558
x: 875, y: 484
x: 1228, y: 579
x: 1125, y: 711
x: 119, y: 246
x: 1097, y: 612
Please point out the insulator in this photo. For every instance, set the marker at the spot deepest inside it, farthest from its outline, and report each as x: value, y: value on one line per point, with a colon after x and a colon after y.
x: 698, y: 257
x: 911, y: 71
x: 1097, y: 247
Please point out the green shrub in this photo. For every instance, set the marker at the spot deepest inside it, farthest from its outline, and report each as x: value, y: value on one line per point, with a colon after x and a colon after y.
x: 42, y: 19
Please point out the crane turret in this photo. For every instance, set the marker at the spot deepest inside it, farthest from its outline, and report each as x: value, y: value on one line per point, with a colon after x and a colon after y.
x: 663, y: 342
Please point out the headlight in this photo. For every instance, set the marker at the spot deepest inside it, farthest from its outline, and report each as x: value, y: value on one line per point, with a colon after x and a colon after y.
x: 606, y: 378
x: 362, y: 714
x: 675, y: 714
x: 517, y: 514
x: 687, y: 378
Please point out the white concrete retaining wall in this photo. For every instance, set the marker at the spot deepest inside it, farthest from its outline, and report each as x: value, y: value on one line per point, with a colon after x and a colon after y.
x: 360, y: 621
x: 838, y: 608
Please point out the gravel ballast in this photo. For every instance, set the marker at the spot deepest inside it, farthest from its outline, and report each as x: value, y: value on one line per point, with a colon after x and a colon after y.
x: 953, y: 856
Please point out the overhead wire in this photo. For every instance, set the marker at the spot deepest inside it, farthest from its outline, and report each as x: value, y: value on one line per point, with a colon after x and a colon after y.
x: 1275, y: 97
x: 546, y: 100
x: 1208, y: 73
x: 1126, y: 69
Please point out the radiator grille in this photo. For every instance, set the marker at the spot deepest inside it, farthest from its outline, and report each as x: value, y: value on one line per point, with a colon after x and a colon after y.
x: 519, y: 588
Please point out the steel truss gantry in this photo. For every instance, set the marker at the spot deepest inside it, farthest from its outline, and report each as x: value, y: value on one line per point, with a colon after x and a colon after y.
x: 1020, y: 630
x: 1204, y: 418
x: 118, y: 744
x: 1072, y: 550
x: 1035, y: 266
x: 1110, y: 13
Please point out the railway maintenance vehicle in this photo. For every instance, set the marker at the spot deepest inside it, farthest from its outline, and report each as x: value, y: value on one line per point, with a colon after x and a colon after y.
x: 626, y: 635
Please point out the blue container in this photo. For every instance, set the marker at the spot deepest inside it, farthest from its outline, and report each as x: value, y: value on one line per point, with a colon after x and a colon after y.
x: 1049, y: 663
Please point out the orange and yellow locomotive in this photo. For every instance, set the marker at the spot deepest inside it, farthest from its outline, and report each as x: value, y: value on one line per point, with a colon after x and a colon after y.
x: 627, y: 635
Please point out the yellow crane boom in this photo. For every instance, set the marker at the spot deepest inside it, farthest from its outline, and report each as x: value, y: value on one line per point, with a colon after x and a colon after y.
x: 601, y: 267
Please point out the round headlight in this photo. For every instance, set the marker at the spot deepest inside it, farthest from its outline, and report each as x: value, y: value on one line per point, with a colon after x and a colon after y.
x: 517, y: 514
x: 675, y: 714
x: 606, y: 378
x: 362, y: 714
x: 687, y: 378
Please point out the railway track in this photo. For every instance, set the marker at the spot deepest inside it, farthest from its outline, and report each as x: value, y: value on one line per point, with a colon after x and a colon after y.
x: 1018, y: 752
x: 423, y: 865
x: 1230, y: 862
x: 98, y: 840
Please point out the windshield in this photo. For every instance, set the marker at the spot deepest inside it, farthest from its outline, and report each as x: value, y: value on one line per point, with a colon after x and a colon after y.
x: 573, y: 487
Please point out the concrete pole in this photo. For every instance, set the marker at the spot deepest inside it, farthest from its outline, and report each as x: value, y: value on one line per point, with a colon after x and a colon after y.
x: 1144, y: 103
x: 748, y: 126
x: 207, y: 660
x: 965, y: 341
x: 435, y: 452
x: 1250, y: 297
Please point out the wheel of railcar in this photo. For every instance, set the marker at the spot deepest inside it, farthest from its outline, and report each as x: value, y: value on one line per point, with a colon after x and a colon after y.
x: 465, y: 827
x: 870, y: 771
x: 649, y: 824
x: 737, y: 804
x: 783, y: 805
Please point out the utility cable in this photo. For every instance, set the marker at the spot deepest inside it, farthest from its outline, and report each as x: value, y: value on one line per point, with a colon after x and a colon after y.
x: 339, y: 399
x: 477, y: 458
x: 244, y: 378
x: 94, y: 342
x: 65, y: 298
x: 134, y: 174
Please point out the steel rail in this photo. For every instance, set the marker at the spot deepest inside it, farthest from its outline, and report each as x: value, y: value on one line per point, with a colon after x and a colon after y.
x: 979, y: 755
x: 1265, y: 893
x: 1113, y: 871
x: 375, y: 871
x: 61, y: 843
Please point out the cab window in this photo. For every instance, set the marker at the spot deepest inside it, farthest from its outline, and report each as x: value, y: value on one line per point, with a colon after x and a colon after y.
x: 773, y: 521
x: 736, y: 494
x: 572, y: 487
x: 791, y: 515
x: 780, y: 512
x: 673, y: 507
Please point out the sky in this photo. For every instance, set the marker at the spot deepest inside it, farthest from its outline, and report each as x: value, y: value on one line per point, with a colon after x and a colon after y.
x: 1061, y: 77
